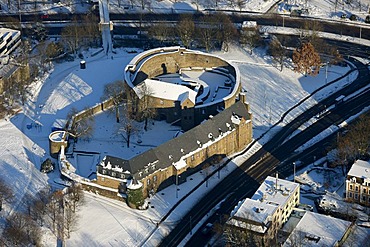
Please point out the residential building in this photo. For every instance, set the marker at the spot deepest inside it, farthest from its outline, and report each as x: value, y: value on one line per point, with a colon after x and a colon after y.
x: 358, y: 183
x: 9, y: 40
x: 268, y: 209
x: 315, y: 229
x: 10, y: 70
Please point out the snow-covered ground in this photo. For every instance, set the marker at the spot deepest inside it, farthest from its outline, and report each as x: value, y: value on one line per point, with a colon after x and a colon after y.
x: 269, y: 91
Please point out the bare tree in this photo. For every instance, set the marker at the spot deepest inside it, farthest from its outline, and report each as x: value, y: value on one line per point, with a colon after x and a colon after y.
x: 127, y: 126
x: 70, y: 221
x: 114, y: 91
x: 6, y: 193
x: 54, y: 210
x: 278, y: 52
x: 207, y: 31
x: 84, y: 125
x: 161, y: 31
x: 250, y: 38
x: 75, y: 196
x: 90, y: 30
x: 227, y: 31
x: 71, y: 36
x: 306, y: 60
x: 53, y: 50
x: 355, y: 143
x: 186, y: 29
x: 146, y: 110
x: 21, y: 230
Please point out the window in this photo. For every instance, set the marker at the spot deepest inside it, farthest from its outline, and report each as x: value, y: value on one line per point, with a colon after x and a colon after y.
x: 351, y: 187
x: 104, y: 171
x: 364, y: 198
x: 122, y: 175
x: 350, y: 195
x: 356, y: 188
x: 148, y: 181
x: 365, y: 190
x: 113, y: 174
x: 155, y: 178
x: 356, y: 196
x: 192, y: 157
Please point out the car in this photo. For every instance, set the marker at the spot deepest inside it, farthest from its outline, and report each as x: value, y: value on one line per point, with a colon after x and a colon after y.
x: 354, y: 18
x: 367, y: 19
x: 207, y: 228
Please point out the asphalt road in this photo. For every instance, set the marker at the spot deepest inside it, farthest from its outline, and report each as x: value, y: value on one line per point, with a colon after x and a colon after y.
x: 243, y: 181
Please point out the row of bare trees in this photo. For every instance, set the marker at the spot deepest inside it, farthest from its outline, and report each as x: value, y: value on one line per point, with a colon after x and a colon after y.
x: 355, y: 144
x: 55, y: 210
x: 210, y: 31
x: 81, y: 33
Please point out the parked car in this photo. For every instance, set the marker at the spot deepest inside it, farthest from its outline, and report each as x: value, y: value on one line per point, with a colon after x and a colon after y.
x: 353, y: 18
x: 367, y: 19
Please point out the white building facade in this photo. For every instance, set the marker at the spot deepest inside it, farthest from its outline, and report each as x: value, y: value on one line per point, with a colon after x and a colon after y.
x: 268, y: 209
x: 358, y: 183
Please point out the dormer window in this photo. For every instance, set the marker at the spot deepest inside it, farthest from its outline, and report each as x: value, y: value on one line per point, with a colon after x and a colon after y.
x: 140, y: 174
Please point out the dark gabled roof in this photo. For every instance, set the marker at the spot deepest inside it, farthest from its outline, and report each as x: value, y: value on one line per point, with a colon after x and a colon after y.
x: 188, y: 141
x: 171, y: 151
x: 114, y: 161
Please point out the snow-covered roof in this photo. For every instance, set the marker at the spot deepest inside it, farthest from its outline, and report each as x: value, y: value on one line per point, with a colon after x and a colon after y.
x: 180, y: 164
x: 256, y: 211
x: 134, y: 184
x: 269, y: 193
x: 249, y: 24
x: 317, y: 230
x: 164, y: 90
x: 360, y: 169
